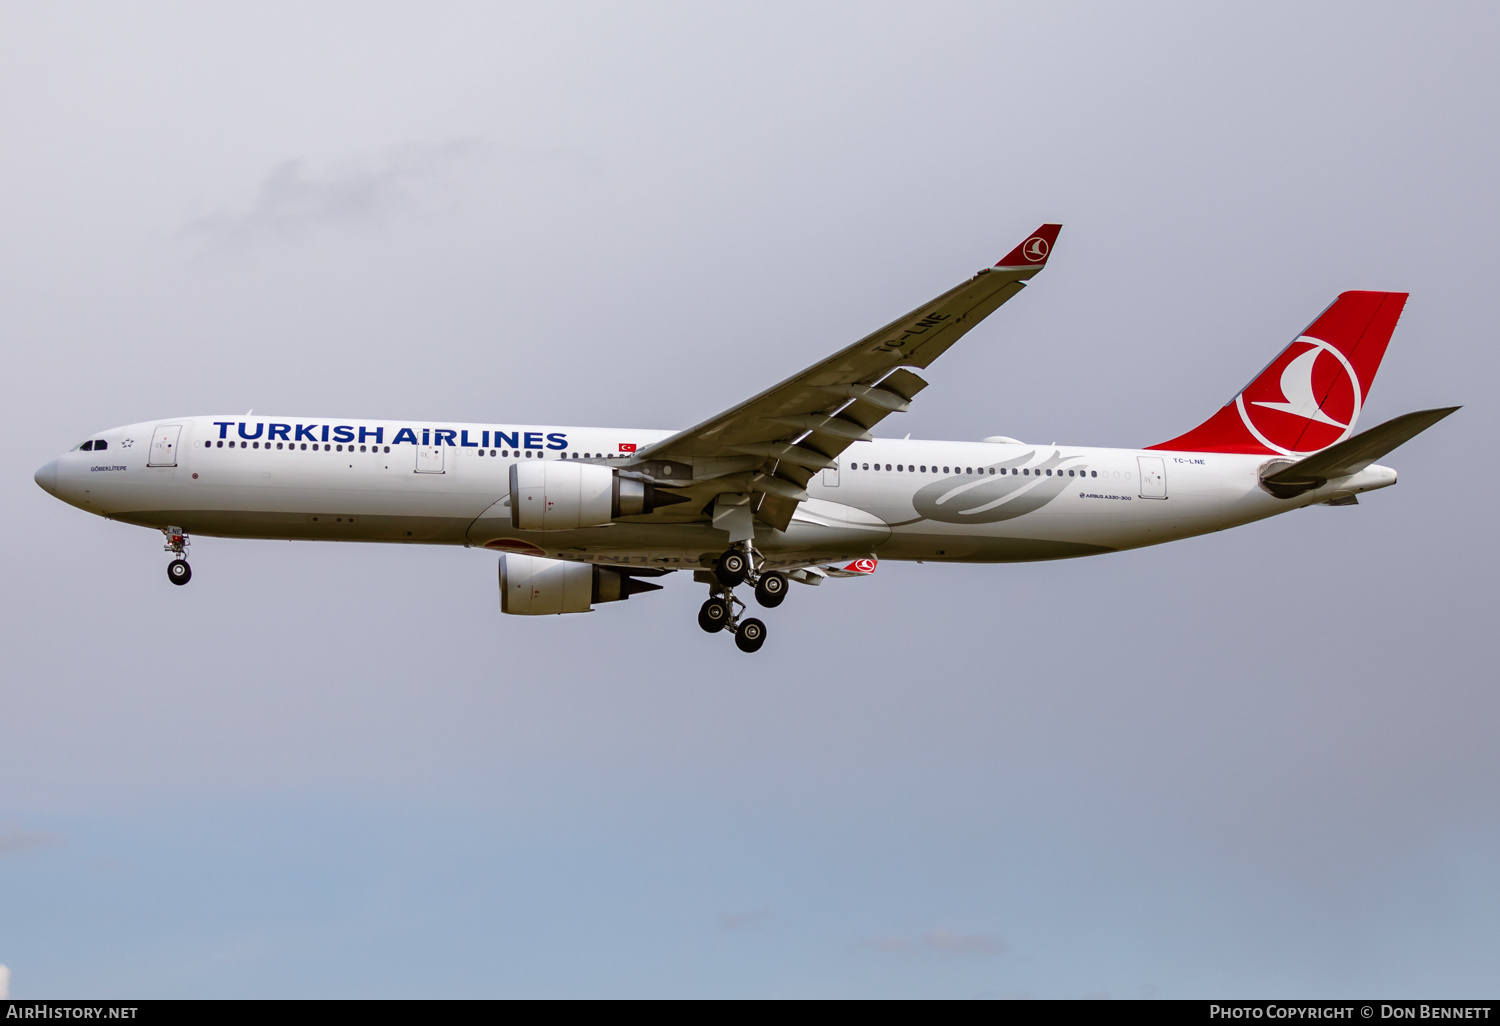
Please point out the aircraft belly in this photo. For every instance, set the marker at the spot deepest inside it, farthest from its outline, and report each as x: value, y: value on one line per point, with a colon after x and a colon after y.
x: 301, y: 526
x: 819, y: 530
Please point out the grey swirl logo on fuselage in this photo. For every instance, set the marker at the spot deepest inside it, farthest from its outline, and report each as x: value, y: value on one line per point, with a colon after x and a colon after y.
x: 986, y: 498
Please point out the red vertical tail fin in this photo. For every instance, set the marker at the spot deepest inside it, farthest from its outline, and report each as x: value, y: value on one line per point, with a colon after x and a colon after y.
x: 1310, y: 396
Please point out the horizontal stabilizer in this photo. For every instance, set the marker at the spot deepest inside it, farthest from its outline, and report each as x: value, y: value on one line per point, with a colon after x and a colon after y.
x: 1351, y: 455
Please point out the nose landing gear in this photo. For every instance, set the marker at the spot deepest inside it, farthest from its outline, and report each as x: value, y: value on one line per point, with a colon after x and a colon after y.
x: 178, y: 571
x: 723, y: 610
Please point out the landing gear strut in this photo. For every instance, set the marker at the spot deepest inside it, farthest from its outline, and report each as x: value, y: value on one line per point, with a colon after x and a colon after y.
x: 178, y: 571
x: 723, y: 611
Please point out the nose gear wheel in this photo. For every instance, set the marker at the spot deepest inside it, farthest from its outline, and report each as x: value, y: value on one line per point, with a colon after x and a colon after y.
x: 178, y: 571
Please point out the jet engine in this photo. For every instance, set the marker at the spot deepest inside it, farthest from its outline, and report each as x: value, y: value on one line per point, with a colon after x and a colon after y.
x: 548, y: 496
x: 535, y: 585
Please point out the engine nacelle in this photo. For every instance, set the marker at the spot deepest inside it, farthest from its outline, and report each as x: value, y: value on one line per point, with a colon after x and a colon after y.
x: 535, y: 585
x: 561, y: 496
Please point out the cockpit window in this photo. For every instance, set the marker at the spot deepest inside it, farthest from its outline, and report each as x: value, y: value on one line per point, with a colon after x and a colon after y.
x: 86, y: 446
x: 99, y: 444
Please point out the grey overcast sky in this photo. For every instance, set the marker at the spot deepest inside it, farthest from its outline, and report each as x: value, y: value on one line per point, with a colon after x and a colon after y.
x: 1258, y: 763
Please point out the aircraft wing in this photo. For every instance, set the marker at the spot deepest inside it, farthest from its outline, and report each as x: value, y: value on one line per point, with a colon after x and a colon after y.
x: 769, y: 446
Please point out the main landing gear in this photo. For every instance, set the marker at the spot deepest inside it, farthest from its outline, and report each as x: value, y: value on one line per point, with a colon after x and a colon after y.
x: 178, y: 571
x: 722, y: 610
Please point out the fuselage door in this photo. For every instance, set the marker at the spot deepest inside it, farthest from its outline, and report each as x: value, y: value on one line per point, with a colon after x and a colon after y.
x: 1153, y: 477
x: 831, y: 475
x: 164, y: 446
x: 430, y: 459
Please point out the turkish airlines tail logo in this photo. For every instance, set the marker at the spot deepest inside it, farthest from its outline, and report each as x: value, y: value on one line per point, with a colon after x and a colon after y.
x: 1301, y: 399
x: 1310, y: 396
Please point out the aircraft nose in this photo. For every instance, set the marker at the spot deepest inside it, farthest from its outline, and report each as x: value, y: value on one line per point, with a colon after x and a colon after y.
x: 46, y: 477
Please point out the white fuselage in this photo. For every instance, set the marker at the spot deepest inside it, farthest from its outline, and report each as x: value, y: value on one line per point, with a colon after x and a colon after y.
x: 319, y: 479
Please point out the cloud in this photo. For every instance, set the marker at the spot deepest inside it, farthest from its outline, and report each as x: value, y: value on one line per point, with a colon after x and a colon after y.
x: 951, y: 942
x: 740, y: 920
x: 294, y: 198
x: 14, y: 840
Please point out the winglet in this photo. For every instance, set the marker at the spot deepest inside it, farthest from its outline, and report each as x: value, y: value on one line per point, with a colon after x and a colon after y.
x: 1035, y: 250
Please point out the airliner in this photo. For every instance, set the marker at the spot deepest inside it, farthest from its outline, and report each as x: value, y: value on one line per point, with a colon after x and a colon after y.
x: 791, y: 485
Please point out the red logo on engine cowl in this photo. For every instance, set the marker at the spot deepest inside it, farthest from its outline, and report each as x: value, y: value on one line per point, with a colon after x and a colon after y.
x: 861, y: 566
x: 627, y: 447
x: 1308, y: 399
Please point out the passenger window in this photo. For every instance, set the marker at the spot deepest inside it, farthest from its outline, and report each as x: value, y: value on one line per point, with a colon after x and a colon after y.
x: 968, y: 470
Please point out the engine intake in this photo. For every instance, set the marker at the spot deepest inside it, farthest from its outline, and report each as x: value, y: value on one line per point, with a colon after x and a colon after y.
x: 536, y: 586
x: 558, y: 496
